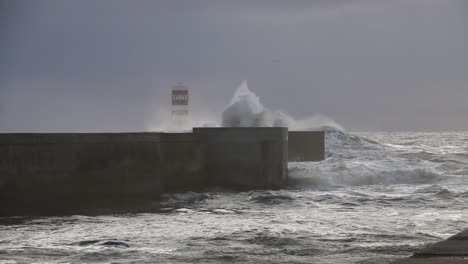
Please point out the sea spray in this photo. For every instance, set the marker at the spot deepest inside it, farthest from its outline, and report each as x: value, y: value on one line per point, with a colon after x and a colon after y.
x: 355, y: 160
x: 246, y: 110
x: 243, y: 110
x: 162, y: 121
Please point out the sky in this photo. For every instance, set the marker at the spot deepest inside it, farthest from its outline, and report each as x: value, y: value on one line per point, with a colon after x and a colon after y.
x: 109, y: 65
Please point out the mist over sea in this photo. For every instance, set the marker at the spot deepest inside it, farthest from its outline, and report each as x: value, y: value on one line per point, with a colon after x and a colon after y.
x: 375, y: 198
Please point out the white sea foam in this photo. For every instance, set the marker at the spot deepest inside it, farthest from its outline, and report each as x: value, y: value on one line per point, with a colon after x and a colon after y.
x: 332, y: 173
x: 353, y: 160
x: 246, y: 110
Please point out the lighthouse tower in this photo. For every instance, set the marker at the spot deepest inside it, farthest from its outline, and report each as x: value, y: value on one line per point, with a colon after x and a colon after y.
x: 180, y: 105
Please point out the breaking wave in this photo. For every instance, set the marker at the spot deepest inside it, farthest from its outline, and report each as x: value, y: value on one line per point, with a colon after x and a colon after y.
x: 246, y: 110
x: 352, y: 160
x: 314, y: 176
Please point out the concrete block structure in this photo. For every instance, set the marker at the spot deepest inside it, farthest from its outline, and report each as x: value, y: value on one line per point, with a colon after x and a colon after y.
x: 306, y: 146
x: 453, y: 250
x: 50, y: 173
x: 183, y: 162
x: 245, y: 158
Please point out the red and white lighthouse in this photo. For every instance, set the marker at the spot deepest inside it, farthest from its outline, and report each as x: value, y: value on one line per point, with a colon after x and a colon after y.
x: 180, y: 104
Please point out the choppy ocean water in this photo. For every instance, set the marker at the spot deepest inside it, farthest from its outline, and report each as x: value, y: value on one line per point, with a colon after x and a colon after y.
x: 376, y: 198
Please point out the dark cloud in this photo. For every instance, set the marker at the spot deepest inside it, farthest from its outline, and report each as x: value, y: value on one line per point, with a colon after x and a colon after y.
x: 103, y: 65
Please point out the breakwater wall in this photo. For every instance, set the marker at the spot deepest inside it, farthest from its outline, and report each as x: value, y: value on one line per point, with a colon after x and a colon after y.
x: 245, y: 158
x: 53, y: 173
x: 48, y: 173
x: 453, y: 250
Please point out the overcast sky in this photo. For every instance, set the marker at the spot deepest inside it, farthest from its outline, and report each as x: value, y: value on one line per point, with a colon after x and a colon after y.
x: 109, y: 65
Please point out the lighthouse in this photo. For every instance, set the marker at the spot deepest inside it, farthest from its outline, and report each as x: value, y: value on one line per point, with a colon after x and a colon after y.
x: 180, y: 105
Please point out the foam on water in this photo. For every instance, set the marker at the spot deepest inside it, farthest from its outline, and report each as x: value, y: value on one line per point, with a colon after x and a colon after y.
x: 307, y: 175
x: 354, y: 160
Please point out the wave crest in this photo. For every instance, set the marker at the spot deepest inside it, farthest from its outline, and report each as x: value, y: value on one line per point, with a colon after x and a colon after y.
x: 246, y: 110
x: 314, y: 175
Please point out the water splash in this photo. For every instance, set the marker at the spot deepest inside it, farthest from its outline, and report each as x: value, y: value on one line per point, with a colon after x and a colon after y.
x: 246, y: 110
x: 163, y: 122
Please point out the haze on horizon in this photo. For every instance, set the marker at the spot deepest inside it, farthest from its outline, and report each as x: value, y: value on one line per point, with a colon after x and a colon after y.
x: 85, y: 66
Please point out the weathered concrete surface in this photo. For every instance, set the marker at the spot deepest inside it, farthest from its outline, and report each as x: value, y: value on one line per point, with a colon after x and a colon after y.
x: 306, y: 145
x: 460, y: 236
x: 445, y: 248
x: 456, y: 245
x: 245, y: 158
x: 450, y: 251
x: 51, y: 173
x: 183, y: 160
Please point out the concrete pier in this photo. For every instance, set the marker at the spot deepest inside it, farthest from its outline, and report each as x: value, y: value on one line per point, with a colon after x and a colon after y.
x: 245, y: 158
x: 454, y: 250
x: 51, y: 173
x: 48, y: 173
x: 183, y: 162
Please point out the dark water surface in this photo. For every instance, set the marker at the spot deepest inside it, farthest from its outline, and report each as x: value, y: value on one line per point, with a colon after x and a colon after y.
x: 377, y: 197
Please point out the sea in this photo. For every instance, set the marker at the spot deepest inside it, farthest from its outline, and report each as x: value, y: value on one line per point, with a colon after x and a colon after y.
x: 377, y: 197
